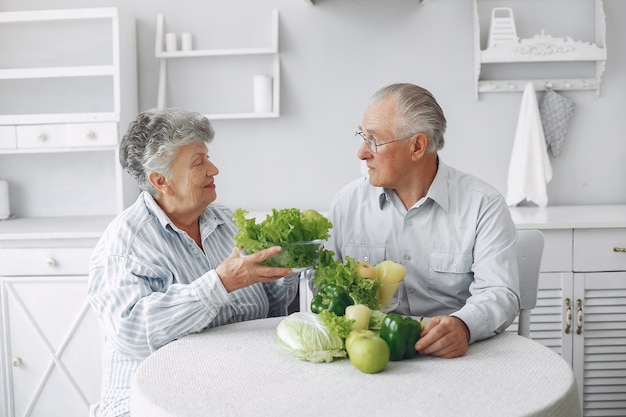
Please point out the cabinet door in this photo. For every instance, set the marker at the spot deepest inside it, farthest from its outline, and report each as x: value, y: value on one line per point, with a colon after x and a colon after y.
x: 548, y: 320
x: 599, y: 347
x: 53, y: 346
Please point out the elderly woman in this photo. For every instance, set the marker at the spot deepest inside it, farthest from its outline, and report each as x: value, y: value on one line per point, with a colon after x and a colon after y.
x: 166, y: 266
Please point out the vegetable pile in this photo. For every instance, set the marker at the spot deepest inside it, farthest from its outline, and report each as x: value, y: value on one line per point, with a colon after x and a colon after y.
x: 347, y: 307
x: 300, y: 233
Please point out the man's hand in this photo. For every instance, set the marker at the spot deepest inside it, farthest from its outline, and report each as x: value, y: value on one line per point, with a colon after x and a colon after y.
x: 444, y: 336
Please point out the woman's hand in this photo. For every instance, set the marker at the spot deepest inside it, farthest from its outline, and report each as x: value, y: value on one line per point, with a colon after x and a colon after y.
x: 239, y: 271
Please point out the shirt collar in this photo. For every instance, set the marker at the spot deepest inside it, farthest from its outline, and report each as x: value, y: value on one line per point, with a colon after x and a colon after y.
x: 438, y: 190
x: 156, y: 210
x: 205, y: 218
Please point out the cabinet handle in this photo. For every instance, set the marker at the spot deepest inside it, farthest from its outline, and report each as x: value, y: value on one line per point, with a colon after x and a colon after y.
x: 42, y: 137
x: 579, y: 316
x: 618, y: 249
x: 17, y: 362
x: 91, y: 135
x: 51, y: 262
x: 568, y: 316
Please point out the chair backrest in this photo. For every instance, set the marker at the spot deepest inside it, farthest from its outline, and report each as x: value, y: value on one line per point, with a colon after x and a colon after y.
x: 529, y: 252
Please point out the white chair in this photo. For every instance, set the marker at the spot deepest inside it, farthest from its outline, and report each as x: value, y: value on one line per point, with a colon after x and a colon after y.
x: 529, y: 252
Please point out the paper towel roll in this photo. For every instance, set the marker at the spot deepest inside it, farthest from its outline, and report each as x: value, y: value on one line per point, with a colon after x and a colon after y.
x: 170, y: 42
x: 186, y: 41
x: 262, y: 93
x: 5, y: 212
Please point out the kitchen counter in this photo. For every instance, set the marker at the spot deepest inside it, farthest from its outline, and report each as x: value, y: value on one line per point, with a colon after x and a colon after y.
x: 570, y: 217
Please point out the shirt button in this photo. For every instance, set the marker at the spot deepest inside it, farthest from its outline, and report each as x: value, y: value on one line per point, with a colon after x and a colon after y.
x: 454, y: 266
x: 409, y: 223
x: 195, y: 251
x: 407, y: 257
x: 366, y: 259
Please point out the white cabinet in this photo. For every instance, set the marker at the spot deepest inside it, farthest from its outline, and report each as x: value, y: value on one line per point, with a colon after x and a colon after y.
x: 581, y: 307
x: 51, y: 341
x: 68, y: 88
x: 221, y: 78
x: 508, y: 66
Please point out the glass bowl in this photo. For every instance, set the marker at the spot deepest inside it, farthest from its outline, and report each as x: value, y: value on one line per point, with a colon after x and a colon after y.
x: 391, y: 296
x: 298, y: 256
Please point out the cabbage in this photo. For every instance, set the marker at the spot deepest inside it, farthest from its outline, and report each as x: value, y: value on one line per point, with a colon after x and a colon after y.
x: 306, y: 337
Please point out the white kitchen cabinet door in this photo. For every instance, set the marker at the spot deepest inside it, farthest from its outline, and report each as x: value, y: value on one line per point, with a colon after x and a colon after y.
x: 599, y: 342
x: 582, y: 316
x: 52, y: 346
x: 547, y: 318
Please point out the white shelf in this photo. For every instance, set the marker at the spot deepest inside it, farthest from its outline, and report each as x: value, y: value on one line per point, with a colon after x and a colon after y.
x: 50, y: 228
x: 542, y: 48
x: 271, y: 51
x: 57, y: 72
x: 216, y: 52
x: 34, y: 119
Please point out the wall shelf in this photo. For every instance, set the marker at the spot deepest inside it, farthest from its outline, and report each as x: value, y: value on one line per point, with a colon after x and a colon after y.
x: 271, y: 51
x: 540, y: 49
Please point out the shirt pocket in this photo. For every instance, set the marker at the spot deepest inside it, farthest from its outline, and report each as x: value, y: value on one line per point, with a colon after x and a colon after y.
x: 365, y: 253
x: 451, y: 272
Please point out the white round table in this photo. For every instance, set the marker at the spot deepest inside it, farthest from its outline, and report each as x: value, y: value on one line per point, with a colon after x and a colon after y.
x: 240, y: 370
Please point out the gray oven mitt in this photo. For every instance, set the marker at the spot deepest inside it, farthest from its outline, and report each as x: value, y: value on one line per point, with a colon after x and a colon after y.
x: 556, y: 112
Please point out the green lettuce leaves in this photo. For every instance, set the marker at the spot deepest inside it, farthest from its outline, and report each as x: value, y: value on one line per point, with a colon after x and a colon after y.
x: 331, y: 271
x: 288, y: 228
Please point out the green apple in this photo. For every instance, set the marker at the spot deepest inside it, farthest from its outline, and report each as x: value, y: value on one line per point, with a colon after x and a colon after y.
x: 360, y: 313
x: 365, y: 270
x: 389, y: 271
x: 368, y: 352
x: 354, y: 334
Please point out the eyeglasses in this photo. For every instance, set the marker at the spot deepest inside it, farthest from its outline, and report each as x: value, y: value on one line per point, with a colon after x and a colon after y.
x: 373, y: 146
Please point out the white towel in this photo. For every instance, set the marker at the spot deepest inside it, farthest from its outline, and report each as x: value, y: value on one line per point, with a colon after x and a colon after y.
x: 530, y: 169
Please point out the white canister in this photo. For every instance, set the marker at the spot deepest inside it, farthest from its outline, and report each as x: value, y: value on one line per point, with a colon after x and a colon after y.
x: 262, y: 93
x: 186, y: 41
x: 5, y: 211
x: 170, y: 42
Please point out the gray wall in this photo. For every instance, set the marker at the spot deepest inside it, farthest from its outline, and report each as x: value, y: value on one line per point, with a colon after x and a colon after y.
x: 338, y: 52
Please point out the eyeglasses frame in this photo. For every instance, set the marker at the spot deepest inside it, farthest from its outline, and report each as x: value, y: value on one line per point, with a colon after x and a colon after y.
x: 373, y: 146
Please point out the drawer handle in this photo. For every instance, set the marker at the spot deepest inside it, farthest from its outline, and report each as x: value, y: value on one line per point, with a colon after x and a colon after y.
x: 91, y: 135
x: 568, y: 316
x: 618, y: 249
x: 579, y: 316
x: 17, y: 362
x: 51, y: 262
x: 42, y: 137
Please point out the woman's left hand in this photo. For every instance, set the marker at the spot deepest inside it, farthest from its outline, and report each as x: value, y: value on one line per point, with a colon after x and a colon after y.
x: 239, y: 271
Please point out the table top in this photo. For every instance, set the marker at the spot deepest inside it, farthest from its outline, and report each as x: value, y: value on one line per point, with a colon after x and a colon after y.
x: 240, y: 370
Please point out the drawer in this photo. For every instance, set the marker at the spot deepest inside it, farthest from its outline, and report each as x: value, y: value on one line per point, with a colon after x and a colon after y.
x: 91, y: 134
x: 44, y: 261
x: 594, y: 250
x: 557, y: 250
x: 8, y: 137
x: 40, y: 136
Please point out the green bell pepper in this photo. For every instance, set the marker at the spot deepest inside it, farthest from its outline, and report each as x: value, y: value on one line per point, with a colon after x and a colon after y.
x: 333, y: 298
x: 401, y: 333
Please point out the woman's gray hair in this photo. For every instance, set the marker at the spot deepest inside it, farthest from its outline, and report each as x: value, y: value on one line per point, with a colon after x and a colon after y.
x: 152, y: 139
x: 418, y: 111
